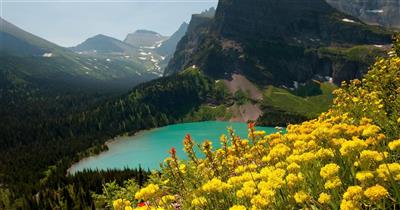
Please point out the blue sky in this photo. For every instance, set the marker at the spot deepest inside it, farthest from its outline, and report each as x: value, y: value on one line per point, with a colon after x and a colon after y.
x: 69, y: 22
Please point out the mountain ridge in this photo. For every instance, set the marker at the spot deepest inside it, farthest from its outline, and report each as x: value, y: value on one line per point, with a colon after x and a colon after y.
x: 11, y: 33
x: 382, y: 12
x: 104, y: 44
x: 168, y: 46
x: 269, y: 46
x: 144, y: 39
x: 29, y: 59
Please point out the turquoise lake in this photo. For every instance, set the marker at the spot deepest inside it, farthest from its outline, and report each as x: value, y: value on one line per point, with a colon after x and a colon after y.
x: 149, y: 148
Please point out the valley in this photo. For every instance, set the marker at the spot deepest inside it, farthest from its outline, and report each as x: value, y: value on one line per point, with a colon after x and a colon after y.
x: 272, y: 63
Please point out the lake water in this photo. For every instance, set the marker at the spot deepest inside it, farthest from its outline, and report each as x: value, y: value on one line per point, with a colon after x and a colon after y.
x: 149, y: 148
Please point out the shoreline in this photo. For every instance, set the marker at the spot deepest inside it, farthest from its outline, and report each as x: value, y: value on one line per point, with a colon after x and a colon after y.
x: 118, y: 138
x: 107, y: 143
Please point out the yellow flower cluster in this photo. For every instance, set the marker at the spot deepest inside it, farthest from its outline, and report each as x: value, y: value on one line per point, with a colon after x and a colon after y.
x: 238, y: 207
x: 376, y: 193
x: 121, y: 204
x: 215, y: 185
x: 199, y: 202
x: 347, y: 158
x: 147, y: 192
x: 394, y: 144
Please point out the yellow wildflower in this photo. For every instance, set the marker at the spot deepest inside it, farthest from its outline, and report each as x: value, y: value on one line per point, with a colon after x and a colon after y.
x: 276, y: 178
x: 337, y: 142
x: 248, y: 190
x: 324, y: 198
x: 352, y: 146
x: 364, y: 176
x: 293, y: 167
x: 142, y: 208
x: 333, y: 183
x: 301, y: 197
x: 325, y: 153
x: 167, y: 199
x: 117, y: 203
x: 259, y: 133
x: 353, y: 193
x: 278, y: 151
x: 216, y: 185
x: 199, y: 201
x: 376, y: 193
x: 365, y: 121
x: 349, y: 205
x: 237, y: 207
x: 293, y: 179
x: 267, y: 193
x: 370, y: 155
x: 147, y: 192
x: 329, y: 170
x: 370, y: 130
x: 259, y: 201
x: 394, y: 144
x: 385, y: 171
x: 182, y: 168
x: 355, y: 99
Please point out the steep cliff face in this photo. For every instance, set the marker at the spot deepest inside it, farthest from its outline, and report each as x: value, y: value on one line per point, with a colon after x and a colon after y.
x: 290, y: 21
x: 168, y: 46
x: 197, y: 31
x: 275, y: 41
x: 382, y: 12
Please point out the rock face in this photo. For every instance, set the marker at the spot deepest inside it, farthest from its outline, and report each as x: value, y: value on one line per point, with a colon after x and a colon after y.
x: 168, y: 47
x: 382, y: 12
x: 145, y: 38
x: 196, y: 30
x: 274, y: 41
x: 289, y: 21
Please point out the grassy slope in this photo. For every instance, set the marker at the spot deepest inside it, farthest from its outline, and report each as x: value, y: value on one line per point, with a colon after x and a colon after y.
x: 362, y: 53
x: 311, y: 106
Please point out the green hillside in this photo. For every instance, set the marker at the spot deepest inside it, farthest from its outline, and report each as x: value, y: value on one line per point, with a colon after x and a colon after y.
x: 27, y: 58
x: 309, y: 106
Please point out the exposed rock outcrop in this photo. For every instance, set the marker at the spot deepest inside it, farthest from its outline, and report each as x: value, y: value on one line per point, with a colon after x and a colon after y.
x: 276, y: 42
x: 382, y: 12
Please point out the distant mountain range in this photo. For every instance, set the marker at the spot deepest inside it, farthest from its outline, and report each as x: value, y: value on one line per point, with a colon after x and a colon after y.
x: 28, y: 59
x: 104, y: 44
x: 148, y: 48
x: 381, y: 12
x: 99, y: 62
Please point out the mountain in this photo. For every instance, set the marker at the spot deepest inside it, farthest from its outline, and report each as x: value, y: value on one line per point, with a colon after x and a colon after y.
x: 104, y: 44
x: 271, y: 61
x: 30, y: 60
x: 279, y: 60
x: 199, y: 24
x: 382, y: 12
x: 145, y: 39
x: 168, y: 46
x: 279, y: 42
x: 17, y: 42
x: 143, y: 47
